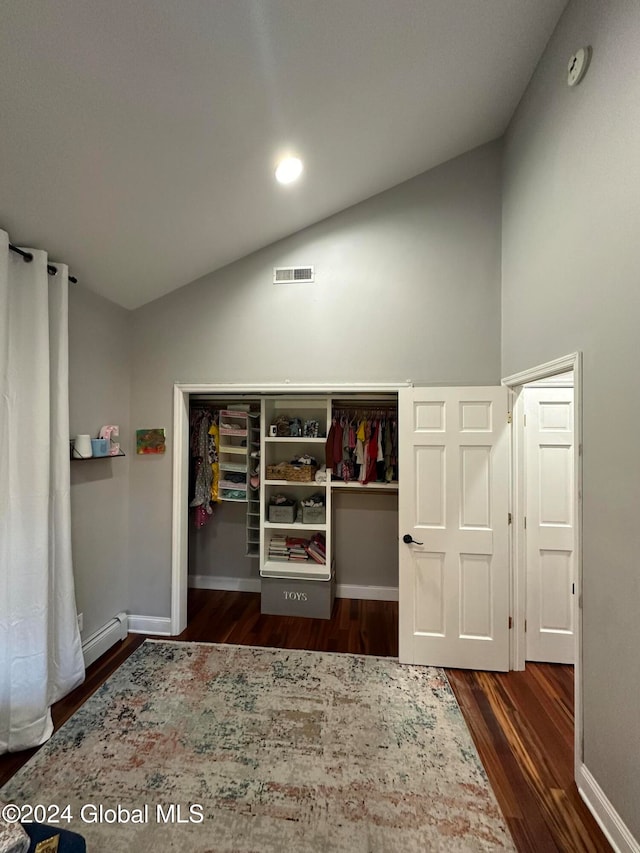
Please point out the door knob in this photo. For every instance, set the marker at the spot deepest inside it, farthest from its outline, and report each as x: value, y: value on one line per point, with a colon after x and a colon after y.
x: 408, y: 539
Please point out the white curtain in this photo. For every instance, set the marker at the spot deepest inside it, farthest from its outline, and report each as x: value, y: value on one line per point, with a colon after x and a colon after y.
x: 40, y: 650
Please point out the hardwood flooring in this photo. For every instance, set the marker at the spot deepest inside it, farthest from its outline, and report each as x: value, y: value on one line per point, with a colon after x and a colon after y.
x: 359, y: 627
x: 521, y: 722
x: 522, y: 726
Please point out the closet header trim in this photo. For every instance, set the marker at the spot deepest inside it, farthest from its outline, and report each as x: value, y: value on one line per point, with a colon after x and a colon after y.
x: 258, y: 388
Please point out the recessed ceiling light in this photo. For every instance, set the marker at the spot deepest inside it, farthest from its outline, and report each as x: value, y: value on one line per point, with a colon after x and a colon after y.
x: 288, y: 170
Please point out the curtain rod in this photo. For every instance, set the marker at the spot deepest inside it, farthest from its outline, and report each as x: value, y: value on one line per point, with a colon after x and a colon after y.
x: 27, y: 257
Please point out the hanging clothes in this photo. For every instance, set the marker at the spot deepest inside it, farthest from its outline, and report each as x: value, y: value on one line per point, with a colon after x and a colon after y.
x: 362, y: 446
x: 214, y: 439
x: 204, y: 453
x: 347, y: 464
x: 388, y: 448
x: 333, y: 447
x: 371, y: 473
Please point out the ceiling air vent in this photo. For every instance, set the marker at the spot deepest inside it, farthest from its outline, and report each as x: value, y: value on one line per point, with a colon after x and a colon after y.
x: 292, y: 275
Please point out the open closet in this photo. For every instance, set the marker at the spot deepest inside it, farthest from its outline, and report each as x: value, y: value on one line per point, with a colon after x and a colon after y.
x: 294, y: 496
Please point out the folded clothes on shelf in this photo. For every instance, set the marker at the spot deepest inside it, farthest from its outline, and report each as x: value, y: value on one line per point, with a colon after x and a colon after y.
x: 282, y: 500
x: 314, y: 500
x: 305, y: 459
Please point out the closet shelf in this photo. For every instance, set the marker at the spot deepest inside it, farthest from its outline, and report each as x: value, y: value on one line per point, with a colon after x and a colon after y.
x: 294, y: 483
x: 299, y: 439
x: 384, y: 487
x: 295, y: 525
x: 289, y: 570
x: 241, y: 451
x: 241, y: 433
x: 235, y: 467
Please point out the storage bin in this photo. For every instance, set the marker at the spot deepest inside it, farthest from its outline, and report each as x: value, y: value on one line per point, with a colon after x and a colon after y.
x: 314, y: 514
x: 310, y: 598
x: 282, y: 514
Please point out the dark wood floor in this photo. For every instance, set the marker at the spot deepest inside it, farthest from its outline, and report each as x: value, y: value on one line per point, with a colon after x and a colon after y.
x: 521, y: 722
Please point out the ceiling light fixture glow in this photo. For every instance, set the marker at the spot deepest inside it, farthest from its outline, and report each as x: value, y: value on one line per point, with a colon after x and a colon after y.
x: 288, y: 170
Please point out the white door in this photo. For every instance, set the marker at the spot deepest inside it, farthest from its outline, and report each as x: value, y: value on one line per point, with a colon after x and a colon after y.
x: 549, y: 524
x: 454, y: 502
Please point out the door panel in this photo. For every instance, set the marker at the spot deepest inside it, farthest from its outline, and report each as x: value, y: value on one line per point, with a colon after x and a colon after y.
x: 428, y: 594
x: 550, y: 524
x: 453, y: 501
x: 476, y: 596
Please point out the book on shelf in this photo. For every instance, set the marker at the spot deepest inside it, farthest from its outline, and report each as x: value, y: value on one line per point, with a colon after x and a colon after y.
x: 316, y: 548
x: 297, y: 549
x: 319, y: 558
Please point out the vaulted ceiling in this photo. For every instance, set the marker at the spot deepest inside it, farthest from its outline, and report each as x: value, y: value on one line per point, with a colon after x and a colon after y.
x: 138, y: 139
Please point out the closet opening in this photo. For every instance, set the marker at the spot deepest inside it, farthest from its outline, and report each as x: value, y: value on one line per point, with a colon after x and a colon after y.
x: 267, y: 536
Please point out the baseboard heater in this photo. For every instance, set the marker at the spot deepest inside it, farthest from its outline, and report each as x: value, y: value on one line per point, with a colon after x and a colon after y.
x: 97, y: 644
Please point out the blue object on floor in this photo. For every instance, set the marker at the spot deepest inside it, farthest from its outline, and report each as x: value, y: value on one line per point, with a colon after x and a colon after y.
x: 70, y: 842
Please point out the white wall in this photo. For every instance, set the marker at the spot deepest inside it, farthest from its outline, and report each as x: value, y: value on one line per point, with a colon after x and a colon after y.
x: 571, y: 270
x: 408, y: 286
x: 99, y: 385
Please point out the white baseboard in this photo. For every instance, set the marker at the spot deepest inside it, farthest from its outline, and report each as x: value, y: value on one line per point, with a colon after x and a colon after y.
x: 228, y: 584
x: 367, y: 593
x: 157, y: 625
x: 101, y: 641
x: 600, y: 807
x: 370, y: 593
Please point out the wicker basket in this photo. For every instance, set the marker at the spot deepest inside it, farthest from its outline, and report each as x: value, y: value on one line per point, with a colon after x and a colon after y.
x: 293, y: 473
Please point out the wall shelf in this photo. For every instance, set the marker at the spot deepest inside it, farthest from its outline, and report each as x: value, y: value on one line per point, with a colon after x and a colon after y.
x: 93, y: 458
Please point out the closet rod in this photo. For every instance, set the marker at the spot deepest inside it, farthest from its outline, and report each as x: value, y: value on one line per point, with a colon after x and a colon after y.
x: 366, y: 407
x: 27, y: 257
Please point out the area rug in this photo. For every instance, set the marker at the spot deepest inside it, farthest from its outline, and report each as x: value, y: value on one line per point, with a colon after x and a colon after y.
x: 199, y: 747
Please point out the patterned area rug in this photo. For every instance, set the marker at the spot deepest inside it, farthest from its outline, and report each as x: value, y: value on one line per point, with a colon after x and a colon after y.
x: 198, y: 747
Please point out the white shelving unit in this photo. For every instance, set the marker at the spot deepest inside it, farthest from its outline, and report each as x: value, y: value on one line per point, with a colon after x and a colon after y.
x: 284, y: 449
x: 254, y: 514
x: 233, y: 455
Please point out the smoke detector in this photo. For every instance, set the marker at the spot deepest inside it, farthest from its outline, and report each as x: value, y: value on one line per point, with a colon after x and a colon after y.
x: 578, y: 65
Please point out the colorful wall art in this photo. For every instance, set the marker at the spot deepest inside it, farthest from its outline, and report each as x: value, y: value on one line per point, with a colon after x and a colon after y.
x: 150, y: 441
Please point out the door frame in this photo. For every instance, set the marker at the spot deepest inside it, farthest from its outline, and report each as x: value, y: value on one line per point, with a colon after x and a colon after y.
x: 515, y: 383
x: 180, y: 447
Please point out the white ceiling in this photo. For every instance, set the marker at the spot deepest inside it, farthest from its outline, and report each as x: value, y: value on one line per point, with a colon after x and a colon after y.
x: 138, y: 137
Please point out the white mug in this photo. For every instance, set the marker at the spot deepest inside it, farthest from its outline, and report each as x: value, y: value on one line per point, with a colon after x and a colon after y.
x: 82, y: 447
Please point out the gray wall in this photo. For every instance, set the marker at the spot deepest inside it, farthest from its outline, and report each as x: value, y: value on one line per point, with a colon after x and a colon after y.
x: 571, y: 270
x: 366, y: 538
x: 365, y: 541
x: 408, y: 286
x: 219, y: 548
x: 99, y: 374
